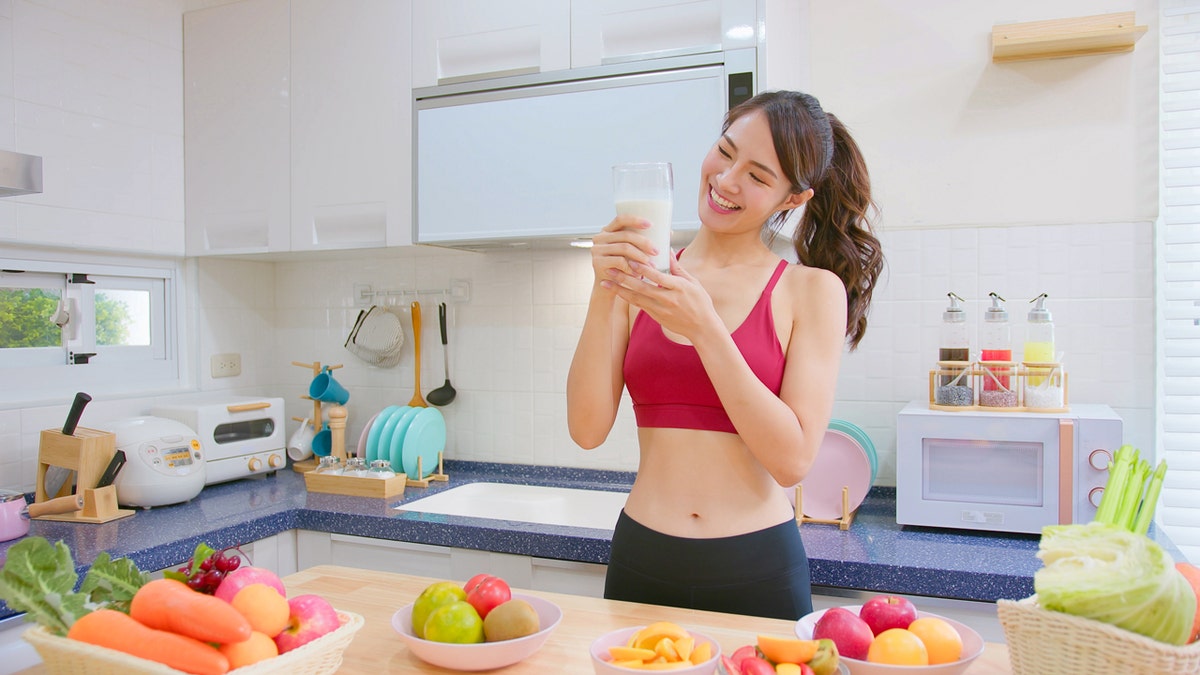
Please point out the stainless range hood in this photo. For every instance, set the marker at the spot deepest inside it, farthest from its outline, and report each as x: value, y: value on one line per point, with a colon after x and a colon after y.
x: 20, y: 174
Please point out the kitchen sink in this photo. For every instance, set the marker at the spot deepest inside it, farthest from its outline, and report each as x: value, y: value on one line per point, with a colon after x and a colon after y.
x: 546, y: 505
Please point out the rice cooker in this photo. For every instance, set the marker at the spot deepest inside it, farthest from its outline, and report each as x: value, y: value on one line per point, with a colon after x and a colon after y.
x: 163, y: 461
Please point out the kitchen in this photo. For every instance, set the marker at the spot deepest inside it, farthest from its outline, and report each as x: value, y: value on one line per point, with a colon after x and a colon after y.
x: 920, y: 92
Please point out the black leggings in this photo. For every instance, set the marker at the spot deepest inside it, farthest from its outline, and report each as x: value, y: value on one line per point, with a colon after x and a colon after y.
x: 763, y: 573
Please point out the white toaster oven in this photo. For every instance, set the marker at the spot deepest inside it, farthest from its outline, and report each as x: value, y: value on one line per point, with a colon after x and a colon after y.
x: 241, y: 436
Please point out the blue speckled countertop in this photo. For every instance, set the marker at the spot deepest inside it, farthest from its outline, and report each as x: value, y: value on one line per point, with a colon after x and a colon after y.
x: 875, y: 554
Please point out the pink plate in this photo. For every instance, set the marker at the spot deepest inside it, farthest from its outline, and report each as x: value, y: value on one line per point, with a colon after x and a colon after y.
x: 362, y: 438
x: 840, y: 462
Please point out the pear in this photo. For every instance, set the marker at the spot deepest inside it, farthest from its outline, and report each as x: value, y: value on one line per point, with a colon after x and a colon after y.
x: 510, y: 620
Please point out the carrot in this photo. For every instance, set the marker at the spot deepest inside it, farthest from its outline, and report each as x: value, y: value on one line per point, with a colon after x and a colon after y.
x: 116, y: 630
x: 167, y: 604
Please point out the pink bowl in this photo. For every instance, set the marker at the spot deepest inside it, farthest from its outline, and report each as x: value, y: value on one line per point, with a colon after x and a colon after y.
x: 972, y: 648
x: 482, y: 655
x: 602, y: 666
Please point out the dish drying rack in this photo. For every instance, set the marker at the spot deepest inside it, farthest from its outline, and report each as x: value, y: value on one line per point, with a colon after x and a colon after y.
x: 355, y: 486
x: 843, y: 522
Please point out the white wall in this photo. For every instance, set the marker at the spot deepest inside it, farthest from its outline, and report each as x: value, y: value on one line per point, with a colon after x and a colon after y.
x: 985, y: 179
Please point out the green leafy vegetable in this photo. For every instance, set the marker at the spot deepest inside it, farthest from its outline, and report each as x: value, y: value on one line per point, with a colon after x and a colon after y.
x: 1107, y: 573
x: 1131, y: 491
x: 39, y: 578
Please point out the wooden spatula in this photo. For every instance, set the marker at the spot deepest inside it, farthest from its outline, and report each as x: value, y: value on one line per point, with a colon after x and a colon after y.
x: 417, y: 401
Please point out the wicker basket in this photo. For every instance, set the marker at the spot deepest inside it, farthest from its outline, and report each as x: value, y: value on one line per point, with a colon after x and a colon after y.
x: 1042, y: 642
x: 64, y: 656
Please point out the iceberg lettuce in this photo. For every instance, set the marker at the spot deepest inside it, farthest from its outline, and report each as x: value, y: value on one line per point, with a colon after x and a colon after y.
x: 1109, y: 574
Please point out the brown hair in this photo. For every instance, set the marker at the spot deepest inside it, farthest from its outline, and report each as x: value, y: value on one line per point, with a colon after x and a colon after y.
x: 816, y: 151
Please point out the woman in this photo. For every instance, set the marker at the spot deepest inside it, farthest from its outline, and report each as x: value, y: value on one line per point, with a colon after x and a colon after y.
x: 731, y: 360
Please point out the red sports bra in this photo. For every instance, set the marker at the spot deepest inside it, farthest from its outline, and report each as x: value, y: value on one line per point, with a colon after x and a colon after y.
x: 668, y: 383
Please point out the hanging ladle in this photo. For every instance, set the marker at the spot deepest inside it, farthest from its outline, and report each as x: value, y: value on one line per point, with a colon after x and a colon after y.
x: 445, y: 393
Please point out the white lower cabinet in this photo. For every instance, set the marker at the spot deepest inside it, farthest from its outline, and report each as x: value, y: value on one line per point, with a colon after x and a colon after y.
x: 443, y: 562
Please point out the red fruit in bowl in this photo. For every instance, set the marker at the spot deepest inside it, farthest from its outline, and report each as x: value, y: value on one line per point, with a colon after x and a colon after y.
x: 729, y: 666
x: 310, y: 617
x: 486, y: 592
x: 756, y: 665
x: 887, y: 611
x: 849, y: 632
x: 741, y: 654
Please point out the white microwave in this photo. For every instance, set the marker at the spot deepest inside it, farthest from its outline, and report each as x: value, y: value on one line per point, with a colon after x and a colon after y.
x: 1002, y: 471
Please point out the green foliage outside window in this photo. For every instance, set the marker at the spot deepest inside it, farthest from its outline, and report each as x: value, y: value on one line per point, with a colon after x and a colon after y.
x: 25, y: 319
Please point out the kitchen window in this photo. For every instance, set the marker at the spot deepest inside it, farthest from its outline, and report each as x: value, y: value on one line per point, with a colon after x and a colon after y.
x: 68, y: 326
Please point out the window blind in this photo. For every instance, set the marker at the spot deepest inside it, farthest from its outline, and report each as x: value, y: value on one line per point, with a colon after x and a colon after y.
x: 1178, y: 276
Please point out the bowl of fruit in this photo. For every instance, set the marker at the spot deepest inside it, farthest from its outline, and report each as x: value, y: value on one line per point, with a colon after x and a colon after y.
x: 661, y: 645
x: 888, y: 635
x: 778, y: 655
x: 479, y: 625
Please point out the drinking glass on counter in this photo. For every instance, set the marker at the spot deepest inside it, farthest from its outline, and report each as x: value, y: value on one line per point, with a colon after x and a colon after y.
x: 643, y: 189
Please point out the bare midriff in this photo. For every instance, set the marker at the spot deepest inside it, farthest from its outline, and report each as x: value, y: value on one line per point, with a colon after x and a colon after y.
x: 703, y: 484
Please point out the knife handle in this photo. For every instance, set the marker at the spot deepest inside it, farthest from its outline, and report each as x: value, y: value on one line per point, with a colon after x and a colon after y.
x: 81, y: 399
x: 67, y: 504
x: 113, y: 468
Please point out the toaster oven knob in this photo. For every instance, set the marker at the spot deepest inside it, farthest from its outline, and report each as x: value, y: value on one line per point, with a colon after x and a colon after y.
x: 1100, y: 459
x: 255, y: 464
x: 1095, y: 495
x: 275, y: 461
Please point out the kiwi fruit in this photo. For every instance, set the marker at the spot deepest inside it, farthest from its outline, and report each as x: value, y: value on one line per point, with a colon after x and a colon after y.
x: 510, y: 620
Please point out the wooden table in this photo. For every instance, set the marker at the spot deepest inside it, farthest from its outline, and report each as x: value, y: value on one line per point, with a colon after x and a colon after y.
x: 377, y: 649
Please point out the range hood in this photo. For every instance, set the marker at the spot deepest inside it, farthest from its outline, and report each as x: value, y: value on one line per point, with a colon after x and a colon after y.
x: 20, y: 174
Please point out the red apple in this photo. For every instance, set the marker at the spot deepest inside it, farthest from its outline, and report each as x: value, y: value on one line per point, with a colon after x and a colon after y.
x: 888, y: 611
x: 485, y: 592
x: 310, y: 617
x: 756, y: 665
x: 848, y: 631
x: 243, y: 577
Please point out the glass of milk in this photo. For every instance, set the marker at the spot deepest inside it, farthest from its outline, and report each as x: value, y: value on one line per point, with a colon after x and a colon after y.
x: 643, y: 189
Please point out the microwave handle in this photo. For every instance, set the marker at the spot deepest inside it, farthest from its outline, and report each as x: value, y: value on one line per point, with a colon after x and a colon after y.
x: 1066, y: 470
x: 245, y: 407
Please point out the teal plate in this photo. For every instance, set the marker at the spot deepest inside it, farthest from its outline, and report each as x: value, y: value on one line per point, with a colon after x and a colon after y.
x: 396, y: 447
x: 426, y: 437
x: 377, y: 430
x: 385, y: 436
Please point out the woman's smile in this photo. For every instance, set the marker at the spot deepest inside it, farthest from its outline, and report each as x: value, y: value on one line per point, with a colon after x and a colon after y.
x: 719, y: 203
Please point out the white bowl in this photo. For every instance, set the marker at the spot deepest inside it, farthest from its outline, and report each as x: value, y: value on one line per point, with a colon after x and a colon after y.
x: 972, y: 648
x: 602, y: 665
x: 482, y: 655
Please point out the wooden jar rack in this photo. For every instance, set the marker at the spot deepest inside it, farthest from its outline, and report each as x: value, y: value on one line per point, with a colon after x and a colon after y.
x: 1019, y: 374
x: 356, y: 486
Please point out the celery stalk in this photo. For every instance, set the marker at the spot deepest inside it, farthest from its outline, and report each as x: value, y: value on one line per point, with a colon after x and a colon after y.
x: 1133, y: 494
x: 1114, y: 488
x: 1150, y: 501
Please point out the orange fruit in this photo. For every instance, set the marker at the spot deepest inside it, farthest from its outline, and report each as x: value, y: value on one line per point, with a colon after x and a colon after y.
x: 898, y: 647
x: 263, y: 606
x: 941, y: 641
x: 258, y: 648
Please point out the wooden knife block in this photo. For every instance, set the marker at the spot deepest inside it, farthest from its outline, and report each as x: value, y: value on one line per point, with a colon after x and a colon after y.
x: 87, y: 454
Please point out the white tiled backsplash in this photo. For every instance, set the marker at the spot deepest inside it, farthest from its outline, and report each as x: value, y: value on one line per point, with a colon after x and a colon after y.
x: 511, y: 342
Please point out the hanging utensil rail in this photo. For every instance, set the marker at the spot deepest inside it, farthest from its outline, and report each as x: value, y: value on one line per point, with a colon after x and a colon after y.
x: 458, y: 291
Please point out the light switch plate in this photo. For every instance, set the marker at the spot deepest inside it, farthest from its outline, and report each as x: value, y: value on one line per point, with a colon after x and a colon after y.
x: 226, y: 365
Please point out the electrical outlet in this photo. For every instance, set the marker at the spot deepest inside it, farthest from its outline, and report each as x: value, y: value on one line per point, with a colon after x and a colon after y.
x: 226, y: 365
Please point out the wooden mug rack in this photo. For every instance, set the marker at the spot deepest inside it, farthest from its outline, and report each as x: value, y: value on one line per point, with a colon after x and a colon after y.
x: 356, y: 486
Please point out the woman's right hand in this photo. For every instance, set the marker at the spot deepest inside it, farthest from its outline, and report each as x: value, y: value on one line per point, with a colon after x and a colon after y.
x: 620, y: 244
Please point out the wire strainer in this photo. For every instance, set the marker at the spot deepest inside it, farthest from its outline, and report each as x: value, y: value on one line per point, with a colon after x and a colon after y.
x: 376, y: 337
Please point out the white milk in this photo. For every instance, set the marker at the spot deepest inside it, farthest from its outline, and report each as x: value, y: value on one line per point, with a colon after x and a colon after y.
x: 658, y: 212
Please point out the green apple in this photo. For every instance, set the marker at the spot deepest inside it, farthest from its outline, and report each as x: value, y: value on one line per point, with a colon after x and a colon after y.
x: 434, y: 596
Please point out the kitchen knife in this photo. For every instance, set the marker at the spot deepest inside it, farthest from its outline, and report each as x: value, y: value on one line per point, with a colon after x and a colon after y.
x: 113, y: 468
x: 81, y: 399
x: 56, y: 476
x: 68, y: 504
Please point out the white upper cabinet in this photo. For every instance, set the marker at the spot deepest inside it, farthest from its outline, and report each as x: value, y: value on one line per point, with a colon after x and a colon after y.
x: 459, y: 40
x: 351, y: 124
x: 298, y: 126
x: 473, y: 39
x: 236, y: 129
x: 612, y: 31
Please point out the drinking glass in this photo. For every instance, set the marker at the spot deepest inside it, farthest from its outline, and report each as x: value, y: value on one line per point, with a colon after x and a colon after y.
x: 643, y: 189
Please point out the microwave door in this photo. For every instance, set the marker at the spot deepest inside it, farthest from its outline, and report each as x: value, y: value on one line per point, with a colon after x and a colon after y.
x: 995, y: 485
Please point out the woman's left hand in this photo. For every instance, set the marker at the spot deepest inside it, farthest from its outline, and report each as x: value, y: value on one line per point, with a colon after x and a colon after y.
x: 676, y: 301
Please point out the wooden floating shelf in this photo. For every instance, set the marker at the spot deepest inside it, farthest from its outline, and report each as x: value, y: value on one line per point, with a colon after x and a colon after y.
x: 1057, y: 38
